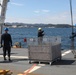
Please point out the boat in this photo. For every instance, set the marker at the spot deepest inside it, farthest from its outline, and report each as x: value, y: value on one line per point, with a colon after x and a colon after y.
x: 14, y: 26
x: 19, y: 63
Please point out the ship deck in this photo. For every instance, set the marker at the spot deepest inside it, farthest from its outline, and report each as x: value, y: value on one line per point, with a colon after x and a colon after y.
x: 20, y: 64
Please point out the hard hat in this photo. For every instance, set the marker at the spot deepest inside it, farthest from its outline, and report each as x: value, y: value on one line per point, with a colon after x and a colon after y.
x: 39, y: 28
x: 6, y: 29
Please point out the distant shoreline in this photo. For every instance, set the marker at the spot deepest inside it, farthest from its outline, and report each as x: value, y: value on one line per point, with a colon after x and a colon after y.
x: 20, y: 25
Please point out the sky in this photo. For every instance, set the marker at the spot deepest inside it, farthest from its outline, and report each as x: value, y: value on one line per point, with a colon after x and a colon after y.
x: 40, y: 11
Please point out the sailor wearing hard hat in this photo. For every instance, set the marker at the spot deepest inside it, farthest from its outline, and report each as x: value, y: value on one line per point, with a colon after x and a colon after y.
x: 6, y: 43
x: 40, y: 35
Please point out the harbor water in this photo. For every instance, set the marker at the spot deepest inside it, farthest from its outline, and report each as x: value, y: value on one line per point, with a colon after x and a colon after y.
x: 18, y: 35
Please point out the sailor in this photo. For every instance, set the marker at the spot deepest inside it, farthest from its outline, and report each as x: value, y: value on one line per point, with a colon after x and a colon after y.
x: 40, y: 35
x: 73, y: 35
x: 72, y: 44
x: 6, y: 43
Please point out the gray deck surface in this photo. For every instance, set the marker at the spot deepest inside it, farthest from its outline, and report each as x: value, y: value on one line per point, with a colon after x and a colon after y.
x: 20, y: 63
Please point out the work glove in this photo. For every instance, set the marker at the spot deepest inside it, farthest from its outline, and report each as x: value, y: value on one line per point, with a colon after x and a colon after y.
x: 1, y: 45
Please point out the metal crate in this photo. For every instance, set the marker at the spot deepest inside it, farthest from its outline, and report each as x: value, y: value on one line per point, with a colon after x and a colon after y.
x: 48, y: 51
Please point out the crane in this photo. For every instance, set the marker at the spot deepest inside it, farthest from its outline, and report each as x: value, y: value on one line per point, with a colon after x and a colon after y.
x: 3, y: 7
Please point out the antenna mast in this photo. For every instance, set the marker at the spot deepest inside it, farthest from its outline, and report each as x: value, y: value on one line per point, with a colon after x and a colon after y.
x: 3, y: 6
x: 72, y: 39
x: 71, y: 16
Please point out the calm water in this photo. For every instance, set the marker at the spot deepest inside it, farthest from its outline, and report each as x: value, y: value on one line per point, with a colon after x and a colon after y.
x: 18, y: 35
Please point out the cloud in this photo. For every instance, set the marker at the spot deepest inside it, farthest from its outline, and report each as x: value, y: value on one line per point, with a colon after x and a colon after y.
x: 17, y: 4
x: 46, y: 11
x: 42, y: 11
x: 59, y: 18
x: 14, y: 19
x: 36, y: 11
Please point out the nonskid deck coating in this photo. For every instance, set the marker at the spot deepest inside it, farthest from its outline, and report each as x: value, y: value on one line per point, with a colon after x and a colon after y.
x: 20, y: 64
